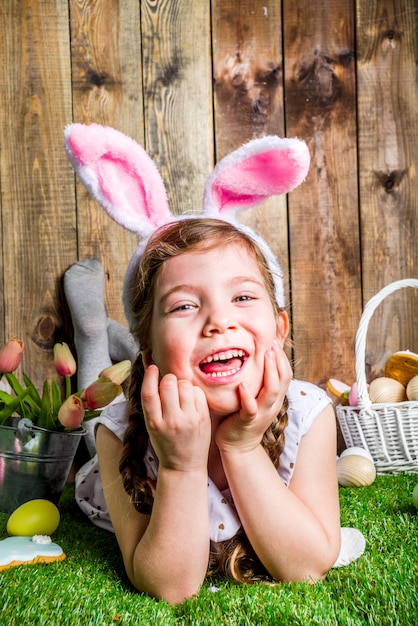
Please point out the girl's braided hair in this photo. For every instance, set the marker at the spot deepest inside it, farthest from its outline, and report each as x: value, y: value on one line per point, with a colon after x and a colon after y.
x: 234, y: 557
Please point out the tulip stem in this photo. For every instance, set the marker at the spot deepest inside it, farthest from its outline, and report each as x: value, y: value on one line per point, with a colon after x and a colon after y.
x: 67, y: 387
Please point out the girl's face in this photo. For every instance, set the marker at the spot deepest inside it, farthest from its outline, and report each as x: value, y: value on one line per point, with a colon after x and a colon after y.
x: 213, y: 322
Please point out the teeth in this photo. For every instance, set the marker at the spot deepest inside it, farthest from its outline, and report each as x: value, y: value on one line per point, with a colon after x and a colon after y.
x: 223, y: 374
x: 224, y: 356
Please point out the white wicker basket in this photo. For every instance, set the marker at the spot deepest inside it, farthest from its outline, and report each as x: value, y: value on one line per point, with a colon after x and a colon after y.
x: 388, y: 431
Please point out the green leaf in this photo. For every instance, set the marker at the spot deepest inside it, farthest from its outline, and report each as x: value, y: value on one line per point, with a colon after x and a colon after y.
x: 29, y: 408
x: 33, y: 392
x: 56, y: 397
x: 89, y: 415
x: 56, y: 402
x: 14, y: 384
x: 5, y: 398
x: 12, y: 407
x: 31, y: 405
x: 45, y: 419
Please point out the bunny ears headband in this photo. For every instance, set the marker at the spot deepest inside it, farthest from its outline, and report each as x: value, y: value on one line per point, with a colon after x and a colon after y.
x: 125, y: 181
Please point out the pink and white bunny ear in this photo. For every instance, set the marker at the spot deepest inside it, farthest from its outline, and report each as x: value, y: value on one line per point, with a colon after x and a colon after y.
x: 260, y: 169
x: 124, y: 180
x: 119, y: 175
x: 257, y: 170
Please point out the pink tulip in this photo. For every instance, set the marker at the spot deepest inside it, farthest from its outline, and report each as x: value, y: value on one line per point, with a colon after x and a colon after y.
x: 71, y: 412
x: 63, y: 359
x: 118, y: 372
x: 11, y: 355
x: 100, y: 393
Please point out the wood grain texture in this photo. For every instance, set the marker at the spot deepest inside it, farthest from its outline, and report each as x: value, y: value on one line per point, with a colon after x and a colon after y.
x: 248, y: 72
x: 192, y: 81
x: 388, y: 150
x: 248, y: 80
x: 178, y: 97
x: 323, y: 212
x: 38, y: 220
x: 107, y: 89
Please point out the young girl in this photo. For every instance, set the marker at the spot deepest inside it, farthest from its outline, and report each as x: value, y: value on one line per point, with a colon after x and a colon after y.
x: 222, y: 462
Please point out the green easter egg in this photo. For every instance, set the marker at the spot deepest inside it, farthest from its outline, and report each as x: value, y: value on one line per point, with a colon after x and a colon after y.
x: 36, y: 517
x: 415, y: 496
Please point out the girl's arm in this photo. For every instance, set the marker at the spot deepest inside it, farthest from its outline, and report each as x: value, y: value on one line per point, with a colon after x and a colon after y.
x: 295, y: 531
x: 166, y: 553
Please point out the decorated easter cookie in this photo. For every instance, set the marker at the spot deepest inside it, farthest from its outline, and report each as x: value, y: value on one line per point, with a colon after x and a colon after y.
x: 28, y: 551
x: 339, y: 389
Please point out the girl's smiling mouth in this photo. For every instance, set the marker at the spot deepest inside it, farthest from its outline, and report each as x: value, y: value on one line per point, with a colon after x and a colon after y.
x: 223, y: 364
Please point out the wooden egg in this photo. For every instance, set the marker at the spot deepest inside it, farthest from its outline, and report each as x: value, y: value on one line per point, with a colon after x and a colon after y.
x: 386, y: 390
x: 355, y: 469
x: 412, y: 389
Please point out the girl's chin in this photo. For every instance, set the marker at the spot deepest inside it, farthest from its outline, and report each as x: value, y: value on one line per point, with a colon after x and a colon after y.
x: 223, y: 402
x: 224, y: 405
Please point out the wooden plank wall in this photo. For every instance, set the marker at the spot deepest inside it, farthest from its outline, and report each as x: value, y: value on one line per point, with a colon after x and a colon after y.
x: 192, y: 81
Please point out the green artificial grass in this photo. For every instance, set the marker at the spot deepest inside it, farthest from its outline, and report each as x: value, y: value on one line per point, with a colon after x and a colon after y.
x: 90, y: 587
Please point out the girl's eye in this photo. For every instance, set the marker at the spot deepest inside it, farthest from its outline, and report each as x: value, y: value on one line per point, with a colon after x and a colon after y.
x: 182, y: 307
x: 244, y: 298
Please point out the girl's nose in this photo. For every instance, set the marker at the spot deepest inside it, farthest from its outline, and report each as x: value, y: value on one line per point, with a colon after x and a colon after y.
x: 218, y: 324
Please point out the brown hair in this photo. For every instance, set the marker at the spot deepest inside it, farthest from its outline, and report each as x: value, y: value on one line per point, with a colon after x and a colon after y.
x: 235, y: 557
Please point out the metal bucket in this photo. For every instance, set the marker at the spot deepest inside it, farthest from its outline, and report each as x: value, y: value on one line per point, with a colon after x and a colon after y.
x: 34, y: 462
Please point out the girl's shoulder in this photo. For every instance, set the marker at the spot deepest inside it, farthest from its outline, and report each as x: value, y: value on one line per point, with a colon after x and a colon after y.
x: 305, y: 402
x: 306, y: 397
x: 115, y: 417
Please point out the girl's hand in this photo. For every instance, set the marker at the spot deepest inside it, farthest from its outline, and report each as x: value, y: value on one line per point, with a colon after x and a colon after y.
x: 244, y: 430
x: 177, y: 419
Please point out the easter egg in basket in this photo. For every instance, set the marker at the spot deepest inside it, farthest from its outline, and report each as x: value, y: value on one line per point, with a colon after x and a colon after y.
x: 384, y: 390
x: 402, y: 366
x: 412, y: 389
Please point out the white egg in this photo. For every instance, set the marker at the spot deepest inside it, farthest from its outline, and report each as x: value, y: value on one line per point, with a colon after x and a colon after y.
x: 357, y: 451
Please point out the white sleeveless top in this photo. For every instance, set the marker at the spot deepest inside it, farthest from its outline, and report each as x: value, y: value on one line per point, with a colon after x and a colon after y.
x: 306, y: 402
